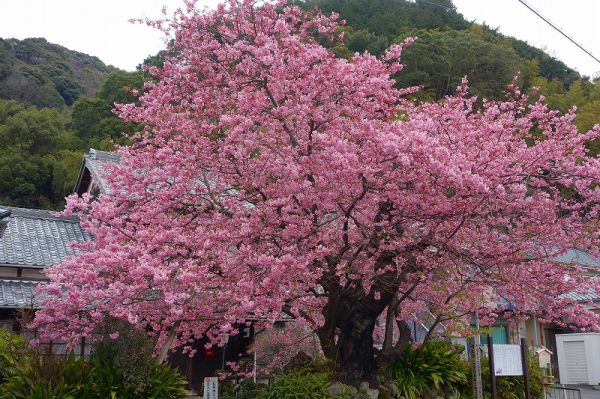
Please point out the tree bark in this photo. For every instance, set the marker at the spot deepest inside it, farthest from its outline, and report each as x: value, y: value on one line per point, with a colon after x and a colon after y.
x: 404, y: 339
x: 356, y: 352
x: 350, y: 317
x: 350, y: 314
x: 162, y: 356
x: 391, y: 352
x: 390, y: 321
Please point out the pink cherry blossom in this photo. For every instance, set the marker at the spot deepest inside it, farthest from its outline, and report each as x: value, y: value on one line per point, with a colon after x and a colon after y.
x: 273, y: 178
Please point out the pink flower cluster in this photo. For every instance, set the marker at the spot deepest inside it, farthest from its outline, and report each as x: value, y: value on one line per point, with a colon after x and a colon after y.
x: 272, y: 177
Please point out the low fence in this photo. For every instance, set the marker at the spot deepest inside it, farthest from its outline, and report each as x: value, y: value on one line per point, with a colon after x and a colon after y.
x: 560, y: 392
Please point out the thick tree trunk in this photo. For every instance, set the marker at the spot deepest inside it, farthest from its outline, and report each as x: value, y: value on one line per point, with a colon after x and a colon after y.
x: 353, y: 349
x: 347, y: 334
x: 350, y: 314
x: 356, y: 353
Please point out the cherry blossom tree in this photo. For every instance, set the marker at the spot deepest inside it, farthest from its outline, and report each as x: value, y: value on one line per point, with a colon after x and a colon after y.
x: 273, y: 178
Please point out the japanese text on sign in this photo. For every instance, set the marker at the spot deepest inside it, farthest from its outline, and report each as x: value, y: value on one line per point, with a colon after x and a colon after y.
x: 507, y: 360
x: 211, y: 388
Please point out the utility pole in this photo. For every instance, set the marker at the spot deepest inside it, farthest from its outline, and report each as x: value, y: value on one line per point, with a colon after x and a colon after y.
x: 490, y: 343
x: 477, y: 383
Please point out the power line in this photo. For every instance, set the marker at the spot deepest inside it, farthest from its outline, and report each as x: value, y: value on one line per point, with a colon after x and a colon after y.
x: 436, y: 4
x: 546, y: 20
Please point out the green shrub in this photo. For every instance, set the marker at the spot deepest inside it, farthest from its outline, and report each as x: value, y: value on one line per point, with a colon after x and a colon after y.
x: 304, y: 384
x: 129, y: 352
x: 246, y: 389
x: 51, y: 377
x: 304, y: 364
x: 298, y: 385
x: 48, y: 377
x: 429, y: 370
x: 165, y: 382
x: 123, y: 367
x: 109, y: 381
x: 13, y: 352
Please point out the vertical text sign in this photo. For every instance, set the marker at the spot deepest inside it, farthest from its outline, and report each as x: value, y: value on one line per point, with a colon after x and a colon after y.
x: 211, y: 388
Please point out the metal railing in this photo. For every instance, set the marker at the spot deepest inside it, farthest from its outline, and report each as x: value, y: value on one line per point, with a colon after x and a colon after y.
x: 562, y: 392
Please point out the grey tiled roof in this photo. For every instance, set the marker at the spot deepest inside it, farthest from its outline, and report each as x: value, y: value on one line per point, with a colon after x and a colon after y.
x: 95, y: 160
x: 36, y: 238
x: 103, y: 155
x: 583, y: 296
x: 17, y: 293
x: 580, y: 257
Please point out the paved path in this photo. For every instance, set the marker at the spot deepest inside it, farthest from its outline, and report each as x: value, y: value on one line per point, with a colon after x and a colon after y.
x: 589, y: 393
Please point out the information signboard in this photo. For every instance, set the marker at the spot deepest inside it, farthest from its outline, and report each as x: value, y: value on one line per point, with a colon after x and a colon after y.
x: 211, y: 388
x: 507, y: 360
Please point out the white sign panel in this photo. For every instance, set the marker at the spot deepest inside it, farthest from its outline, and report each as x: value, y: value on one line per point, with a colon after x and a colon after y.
x: 211, y: 388
x: 507, y: 360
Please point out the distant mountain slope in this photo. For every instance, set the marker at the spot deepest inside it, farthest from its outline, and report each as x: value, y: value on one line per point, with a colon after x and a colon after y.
x: 36, y: 72
x: 550, y: 67
x: 390, y: 17
x: 449, y: 46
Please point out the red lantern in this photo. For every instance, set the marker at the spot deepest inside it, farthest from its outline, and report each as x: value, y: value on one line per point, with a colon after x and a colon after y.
x: 209, y: 352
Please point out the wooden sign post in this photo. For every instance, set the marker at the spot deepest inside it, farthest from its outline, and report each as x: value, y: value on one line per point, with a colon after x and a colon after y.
x: 525, y: 363
x: 490, y: 343
x: 508, y: 360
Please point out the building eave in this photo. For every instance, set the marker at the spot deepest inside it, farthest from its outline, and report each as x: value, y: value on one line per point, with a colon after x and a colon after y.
x: 78, y: 182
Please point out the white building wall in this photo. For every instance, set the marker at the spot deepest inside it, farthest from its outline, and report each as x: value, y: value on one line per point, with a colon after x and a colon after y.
x: 579, y: 358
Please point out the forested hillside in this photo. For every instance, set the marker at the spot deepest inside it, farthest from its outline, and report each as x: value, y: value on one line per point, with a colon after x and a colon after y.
x: 58, y: 102
x: 43, y: 74
x: 449, y: 47
x: 42, y: 149
x: 54, y: 105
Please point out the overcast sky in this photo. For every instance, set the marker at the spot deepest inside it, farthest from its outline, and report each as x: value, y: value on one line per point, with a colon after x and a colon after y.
x: 101, y: 27
x: 577, y: 18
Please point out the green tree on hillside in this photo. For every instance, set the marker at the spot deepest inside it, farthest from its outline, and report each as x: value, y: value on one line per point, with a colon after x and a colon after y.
x: 8, y: 109
x: 118, y: 86
x: 363, y: 40
x: 376, y: 20
x: 438, y: 60
x: 32, y: 131
x: 389, y: 17
x: 39, y: 158
x: 93, y: 119
x: 25, y: 180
